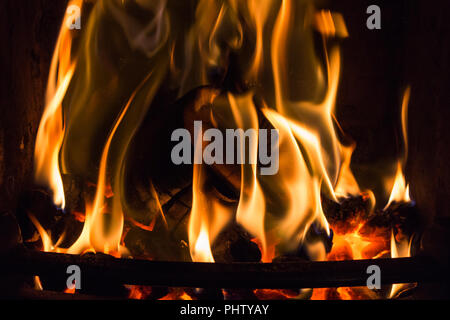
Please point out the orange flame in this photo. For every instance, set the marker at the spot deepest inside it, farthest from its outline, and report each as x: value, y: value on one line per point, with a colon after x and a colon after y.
x: 51, y: 128
x: 400, y: 190
x: 97, y: 235
x: 208, y: 217
x: 259, y: 11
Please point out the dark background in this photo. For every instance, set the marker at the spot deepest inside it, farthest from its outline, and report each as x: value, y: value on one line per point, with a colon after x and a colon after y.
x: 412, y: 48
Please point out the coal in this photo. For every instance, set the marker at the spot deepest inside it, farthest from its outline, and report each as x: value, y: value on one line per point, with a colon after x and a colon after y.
x: 205, y: 293
x: 239, y: 294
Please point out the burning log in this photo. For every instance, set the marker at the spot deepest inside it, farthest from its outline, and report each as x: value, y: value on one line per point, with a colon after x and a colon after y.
x: 355, y: 211
x: 226, y: 275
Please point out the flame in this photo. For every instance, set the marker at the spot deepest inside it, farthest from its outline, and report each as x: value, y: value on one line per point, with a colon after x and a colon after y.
x: 309, y: 149
x: 402, y: 249
x: 37, y: 283
x: 208, y: 216
x: 45, y: 237
x: 347, y: 184
x: 97, y: 234
x: 330, y: 24
x: 278, y: 52
x: 301, y: 189
x: 202, y: 249
x: 307, y: 117
x: 103, y: 219
x: 405, y: 104
x: 276, y: 210
x: 400, y: 189
x: 259, y: 11
x: 51, y: 128
x: 251, y: 207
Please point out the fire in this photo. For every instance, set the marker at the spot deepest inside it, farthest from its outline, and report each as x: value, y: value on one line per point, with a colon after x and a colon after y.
x: 307, y: 154
x: 259, y: 11
x: 355, y: 245
x: 96, y: 235
x: 401, y: 249
x: 51, y: 128
x: 207, y: 218
x: 103, y: 219
x: 251, y: 207
x: 301, y: 189
x: 277, y: 210
x: 400, y: 189
x: 347, y: 184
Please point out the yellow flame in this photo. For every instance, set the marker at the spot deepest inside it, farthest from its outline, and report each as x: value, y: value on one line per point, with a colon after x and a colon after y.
x: 202, y: 249
x: 251, y: 207
x: 45, y: 237
x: 310, y: 153
x: 208, y: 217
x: 278, y: 50
x: 48, y: 143
x: 400, y: 190
x: 97, y: 235
x: 314, y: 119
x: 347, y: 184
x: 312, y: 160
x: 51, y: 128
x: 400, y: 250
x: 301, y: 190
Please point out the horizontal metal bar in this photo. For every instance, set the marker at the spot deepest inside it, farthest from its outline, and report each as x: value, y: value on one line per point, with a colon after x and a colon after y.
x: 306, y: 274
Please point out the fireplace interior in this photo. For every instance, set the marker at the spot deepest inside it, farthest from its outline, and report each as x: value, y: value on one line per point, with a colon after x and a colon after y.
x: 86, y: 138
